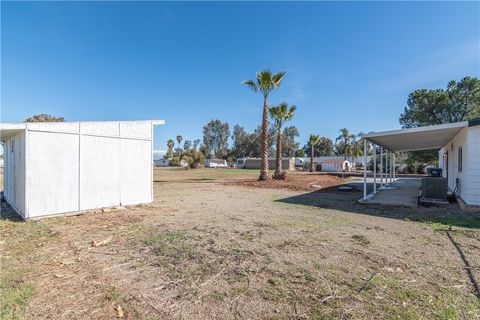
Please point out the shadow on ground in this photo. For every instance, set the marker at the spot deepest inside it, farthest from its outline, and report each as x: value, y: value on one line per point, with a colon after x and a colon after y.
x: 192, y: 180
x: 332, y: 198
x: 7, y: 213
x: 441, y: 219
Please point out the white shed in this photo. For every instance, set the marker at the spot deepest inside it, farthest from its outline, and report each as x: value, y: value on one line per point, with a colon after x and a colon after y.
x: 60, y: 167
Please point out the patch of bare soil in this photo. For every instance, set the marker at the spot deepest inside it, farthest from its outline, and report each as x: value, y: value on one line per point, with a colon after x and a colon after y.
x: 206, y: 250
x: 296, y: 182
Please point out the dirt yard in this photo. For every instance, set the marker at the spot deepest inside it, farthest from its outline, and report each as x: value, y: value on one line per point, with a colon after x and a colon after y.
x: 215, y: 245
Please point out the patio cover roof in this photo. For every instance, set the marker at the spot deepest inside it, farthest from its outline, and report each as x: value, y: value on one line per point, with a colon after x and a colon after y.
x: 422, y: 138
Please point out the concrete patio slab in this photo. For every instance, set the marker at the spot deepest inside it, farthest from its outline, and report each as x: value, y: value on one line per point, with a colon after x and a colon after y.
x: 405, y: 193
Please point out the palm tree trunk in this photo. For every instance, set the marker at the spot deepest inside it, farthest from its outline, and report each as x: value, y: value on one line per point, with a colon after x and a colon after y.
x: 311, y: 158
x: 278, y: 160
x: 264, y: 169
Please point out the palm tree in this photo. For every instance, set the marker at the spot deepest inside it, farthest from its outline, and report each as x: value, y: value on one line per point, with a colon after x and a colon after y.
x: 179, y: 149
x: 280, y: 114
x: 265, y: 82
x: 346, y: 137
x: 170, y: 145
x: 357, y: 147
x: 313, y: 140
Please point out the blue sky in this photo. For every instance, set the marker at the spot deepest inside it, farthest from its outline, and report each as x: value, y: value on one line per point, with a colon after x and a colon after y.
x: 349, y: 64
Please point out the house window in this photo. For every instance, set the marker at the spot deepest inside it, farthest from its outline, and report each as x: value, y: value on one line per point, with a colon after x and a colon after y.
x: 460, y: 159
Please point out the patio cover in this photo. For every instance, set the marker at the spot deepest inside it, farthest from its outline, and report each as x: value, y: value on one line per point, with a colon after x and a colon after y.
x: 422, y: 138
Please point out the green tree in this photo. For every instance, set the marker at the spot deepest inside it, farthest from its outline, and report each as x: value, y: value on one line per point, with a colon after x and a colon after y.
x: 300, y: 153
x: 343, y: 142
x: 194, y: 158
x: 280, y: 114
x: 323, y: 148
x: 240, y: 142
x: 289, y: 144
x: 43, y: 117
x: 460, y: 101
x: 356, y: 147
x: 248, y: 144
x: 265, y: 82
x: 196, y: 143
x: 187, y: 144
x: 313, y: 140
x: 215, y: 139
x: 170, y: 145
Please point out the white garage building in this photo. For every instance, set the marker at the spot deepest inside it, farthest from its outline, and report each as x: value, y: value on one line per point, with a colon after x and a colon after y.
x: 60, y: 167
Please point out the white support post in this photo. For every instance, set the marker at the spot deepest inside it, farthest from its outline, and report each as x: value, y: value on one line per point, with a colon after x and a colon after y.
x: 374, y: 169
x: 381, y: 167
x: 394, y: 167
x: 365, y: 170
x: 387, y: 167
x: 390, y: 164
x: 391, y: 161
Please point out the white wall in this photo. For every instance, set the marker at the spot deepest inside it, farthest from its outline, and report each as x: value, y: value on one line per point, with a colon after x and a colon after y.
x: 88, y: 165
x: 472, y: 192
x: 469, y: 178
x: 52, y: 173
x: 14, y: 172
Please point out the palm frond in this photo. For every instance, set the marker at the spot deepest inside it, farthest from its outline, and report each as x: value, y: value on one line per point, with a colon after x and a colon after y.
x: 314, y: 139
x: 277, y: 78
x: 251, y: 84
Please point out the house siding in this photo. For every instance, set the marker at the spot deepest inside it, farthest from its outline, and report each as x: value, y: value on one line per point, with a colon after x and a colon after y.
x: 472, y: 192
x: 469, y: 178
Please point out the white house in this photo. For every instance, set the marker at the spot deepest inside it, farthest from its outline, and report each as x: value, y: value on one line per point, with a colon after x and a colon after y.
x: 216, y: 163
x: 61, y: 167
x: 334, y: 165
x: 353, y: 161
x: 161, y: 162
x: 459, y: 155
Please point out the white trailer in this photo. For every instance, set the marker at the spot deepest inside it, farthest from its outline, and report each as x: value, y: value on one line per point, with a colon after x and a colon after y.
x: 59, y: 167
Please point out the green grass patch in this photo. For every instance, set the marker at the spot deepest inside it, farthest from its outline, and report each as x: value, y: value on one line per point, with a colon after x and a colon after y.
x: 450, y: 222
x: 20, y: 253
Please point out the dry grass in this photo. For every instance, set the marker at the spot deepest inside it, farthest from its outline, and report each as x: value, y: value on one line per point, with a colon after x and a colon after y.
x: 209, y: 249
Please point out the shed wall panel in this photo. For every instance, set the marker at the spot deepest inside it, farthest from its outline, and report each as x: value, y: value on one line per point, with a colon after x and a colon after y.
x: 136, y: 166
x: 63, y: 127
x: 52, y: 173
x: 100, y: 128
x: 100, y: 174
x: 136, y: 129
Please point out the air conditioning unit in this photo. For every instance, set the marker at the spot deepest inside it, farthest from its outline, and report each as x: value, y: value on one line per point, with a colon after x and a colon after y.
x: 434, y: 190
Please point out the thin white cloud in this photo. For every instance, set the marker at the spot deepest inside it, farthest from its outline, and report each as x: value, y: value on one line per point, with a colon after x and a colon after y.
x: 440, y: 66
